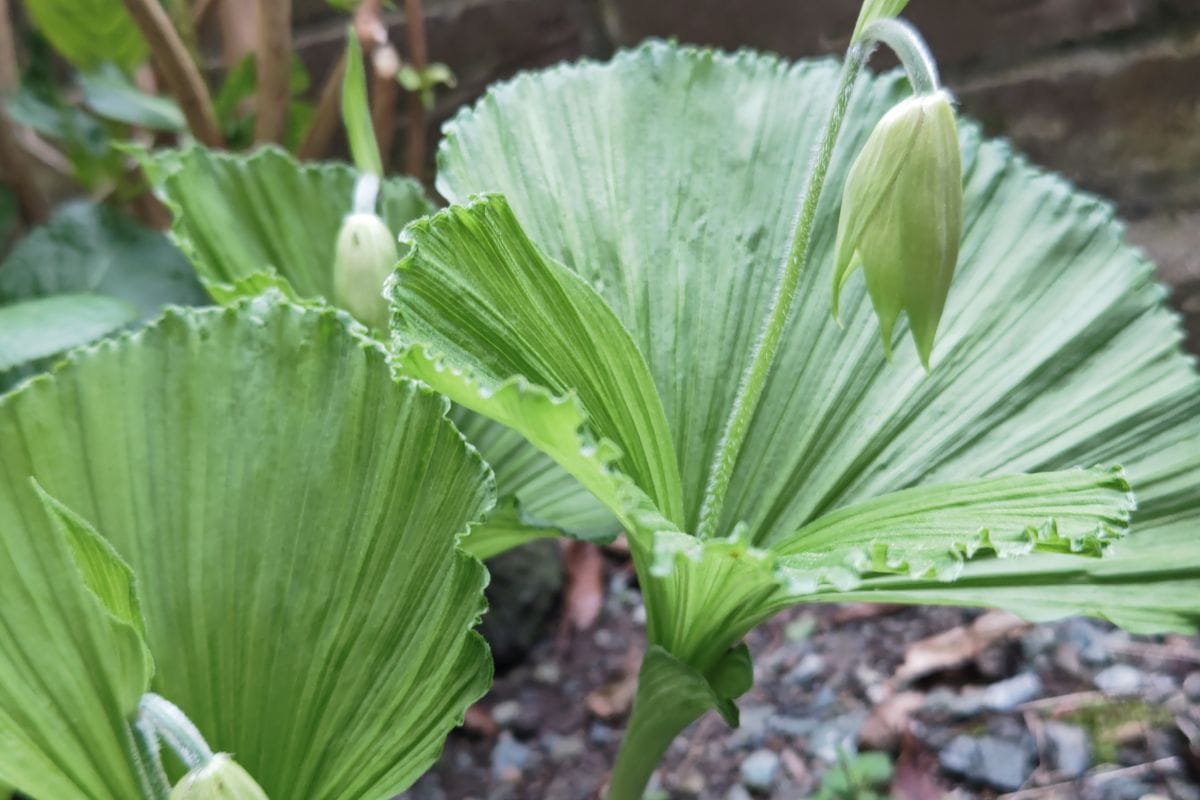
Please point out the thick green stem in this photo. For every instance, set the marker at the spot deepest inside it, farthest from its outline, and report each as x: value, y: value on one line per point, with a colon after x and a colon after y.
x: 763, y: 356
x: 670, y: 696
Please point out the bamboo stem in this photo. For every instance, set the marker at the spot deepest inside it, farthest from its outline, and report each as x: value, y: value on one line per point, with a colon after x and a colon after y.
x: 385, y: 91
x: 35, y: 208
x: 415, y: 143
x: 274, y: 70
x: 327, y: 115
x: 239, y: 30
x: 179, y: 71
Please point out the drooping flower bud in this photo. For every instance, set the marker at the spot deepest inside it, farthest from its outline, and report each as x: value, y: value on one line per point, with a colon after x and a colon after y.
x: 901, y: 217
x: 221, y: 778
x: 365, y: 255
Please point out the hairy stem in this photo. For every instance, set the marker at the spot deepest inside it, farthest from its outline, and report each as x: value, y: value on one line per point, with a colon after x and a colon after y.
x: 763, y: 355
x: 904, y: 40
x: 162, y: 718
x: 274, y: 70
x: 151, y: 776
x: 179, y: 70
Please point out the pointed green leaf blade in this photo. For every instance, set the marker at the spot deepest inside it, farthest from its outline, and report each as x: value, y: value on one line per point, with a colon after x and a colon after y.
x: 521, y: 315
x: 72, y: 662
x: 89, y: 32
x: 292, y: 513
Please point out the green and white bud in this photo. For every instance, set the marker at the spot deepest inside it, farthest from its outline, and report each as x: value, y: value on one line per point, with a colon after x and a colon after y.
x: 366, y: 253
x: 221, y: 778
x: 901, y: 217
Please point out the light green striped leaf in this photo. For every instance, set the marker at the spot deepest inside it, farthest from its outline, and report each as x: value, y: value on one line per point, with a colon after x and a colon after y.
x: 90, y: 32
x: 291, y: 511
x: 667, y: 180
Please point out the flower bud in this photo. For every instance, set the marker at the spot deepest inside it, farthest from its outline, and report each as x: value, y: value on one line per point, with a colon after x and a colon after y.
x: 364, y: 256
x: 901, y: 217
x: 222, y: 778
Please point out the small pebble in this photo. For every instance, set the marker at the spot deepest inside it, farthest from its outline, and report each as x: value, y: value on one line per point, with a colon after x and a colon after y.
x: 547, y: 672
x: 759, y: 770
x: 1008, y: 694
x: 562, y: 748
x: 505, y: 714
x: 1067, y: 749
x: 809, y: 668
x: 1120, y: 679
x: 1191, y: 687
x: 509, y: 758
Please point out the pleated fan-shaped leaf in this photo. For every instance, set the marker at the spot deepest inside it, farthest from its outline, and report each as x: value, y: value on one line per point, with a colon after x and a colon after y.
x: 251, y: 223
x: 667, y: 181
x: 291, y: 511
x: 90, y: 32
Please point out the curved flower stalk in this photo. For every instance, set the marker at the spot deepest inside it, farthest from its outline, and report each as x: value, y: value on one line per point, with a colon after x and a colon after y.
x: 601, y: 288
x: 290, y: 510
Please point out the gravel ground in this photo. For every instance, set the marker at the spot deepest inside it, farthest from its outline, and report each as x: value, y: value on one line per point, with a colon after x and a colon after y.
x: 907, y: 703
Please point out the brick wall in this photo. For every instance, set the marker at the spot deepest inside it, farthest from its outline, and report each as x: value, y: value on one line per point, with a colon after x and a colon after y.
x: 1104, y: 91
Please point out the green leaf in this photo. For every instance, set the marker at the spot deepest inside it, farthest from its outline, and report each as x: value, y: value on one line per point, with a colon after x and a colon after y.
x: 292, y: 513
x: 237, y: 216
x: 250, y: 223
x: 90, y: 32
x: 356, y: 113
x: 108, y: 92
x: 37, y: 329
x: 580, y: 348
x: 94, y: 249
x: 72, y: 661
x: 1055, y: 349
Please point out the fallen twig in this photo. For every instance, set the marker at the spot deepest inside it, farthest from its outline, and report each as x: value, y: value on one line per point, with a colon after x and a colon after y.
x: 179, y: 71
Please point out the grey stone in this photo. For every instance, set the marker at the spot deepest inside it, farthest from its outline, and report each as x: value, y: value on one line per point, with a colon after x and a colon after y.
x: 809, y: 668
x: 1088, y: 640
x: 562, y: 748
x: 738, y: 792
x: 1008, y: 694
x: 601, y: 734
x: 752, y: 727
x: 506, y: 713
x: 509, y: 758
x: 1120, y: 679
x: 1068, y: 750
x: 792, y: 727
x: 1124, y: 789
x: 991, y: 761
x: 1191, y: 687
x: 759, y: 770
x: 839, y: 735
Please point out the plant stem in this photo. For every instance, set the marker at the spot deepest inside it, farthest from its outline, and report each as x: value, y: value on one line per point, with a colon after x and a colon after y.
x: 418, y: 56
x: 904, y: 40
x: 162, y: 718
x: 151, y: 775
x: 178, y: 69
x: 670, y: 696
x: 274, y: 70
x: 763, y: 355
